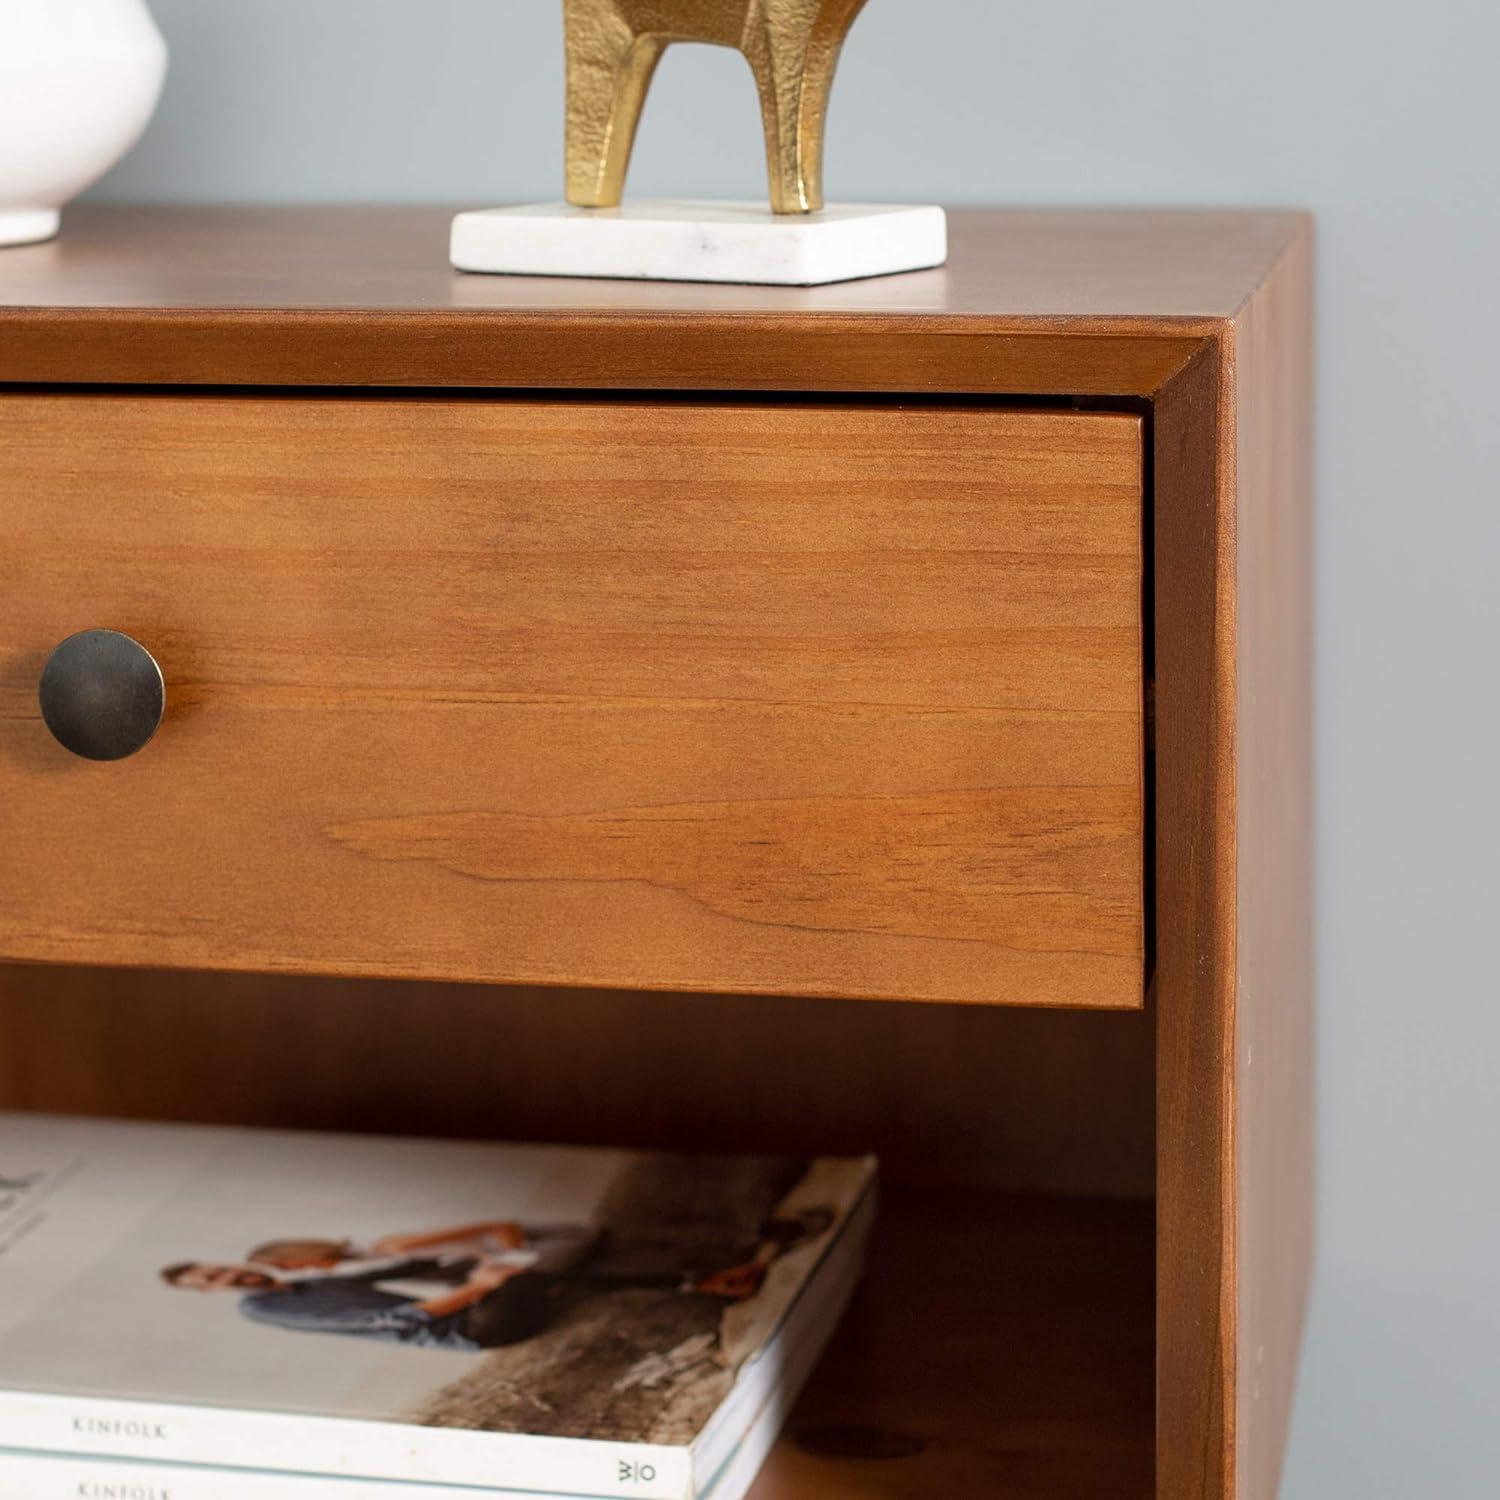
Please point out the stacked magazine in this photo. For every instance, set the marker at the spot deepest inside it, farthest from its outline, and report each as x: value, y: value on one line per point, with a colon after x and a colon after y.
x: 213, y: 1314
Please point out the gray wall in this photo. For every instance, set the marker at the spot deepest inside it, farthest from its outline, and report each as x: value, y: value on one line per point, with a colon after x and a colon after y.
x: 1380, y: 117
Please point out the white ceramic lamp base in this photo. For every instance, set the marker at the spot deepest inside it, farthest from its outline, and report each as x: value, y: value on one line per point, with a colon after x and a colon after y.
x: 677, y: 240
x: 25, y: 226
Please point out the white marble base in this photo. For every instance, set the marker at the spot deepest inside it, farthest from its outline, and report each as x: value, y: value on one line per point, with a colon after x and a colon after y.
x: 677, y: 240
x: 25, y: 226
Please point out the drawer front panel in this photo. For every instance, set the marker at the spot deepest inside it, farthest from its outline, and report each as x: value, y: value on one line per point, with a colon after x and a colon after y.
x: 807, y: 699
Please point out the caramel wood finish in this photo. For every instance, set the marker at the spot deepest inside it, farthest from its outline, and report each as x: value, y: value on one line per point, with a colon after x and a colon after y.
x: 1233, y: 881
x: 715, y: 697
x: 1020, y: 1099
x: 1030, y: 303
x: 1273, y: 1055
x: 1204, y: 317
x: 1195, y: 850
x: 1009, y: 1339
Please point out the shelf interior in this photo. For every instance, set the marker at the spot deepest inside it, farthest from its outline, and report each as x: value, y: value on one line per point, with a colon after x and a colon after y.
x: 1001, y: 1346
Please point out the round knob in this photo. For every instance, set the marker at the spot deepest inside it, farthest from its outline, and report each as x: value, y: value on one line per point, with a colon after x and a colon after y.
x: 102, y: 694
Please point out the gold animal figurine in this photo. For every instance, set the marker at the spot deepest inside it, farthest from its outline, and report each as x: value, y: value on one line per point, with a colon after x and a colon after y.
x: 613, y: 47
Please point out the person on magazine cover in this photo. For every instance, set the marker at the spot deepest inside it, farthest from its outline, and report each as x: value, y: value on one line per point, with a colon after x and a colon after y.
x: 489, y: 1284
x: 492, y: 1281
x: 484, y: 1306
x: 544, y: 1248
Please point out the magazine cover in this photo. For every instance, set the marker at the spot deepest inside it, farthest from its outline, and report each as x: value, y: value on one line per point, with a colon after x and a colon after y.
x: 586, y: 1321
x: 73, y: 1476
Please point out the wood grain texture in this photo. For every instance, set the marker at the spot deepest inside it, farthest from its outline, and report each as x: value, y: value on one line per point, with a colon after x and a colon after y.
x: 819, y: 700
x: 1202, y: 314
x: 1273, y: 1055
x: 1031, y: 302
x: 1233, y: 787
x: 1195, y: 842
x: 998, y: 1097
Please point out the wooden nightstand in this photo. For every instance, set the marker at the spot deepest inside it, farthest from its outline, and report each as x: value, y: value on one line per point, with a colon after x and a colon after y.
x: 933, y: 639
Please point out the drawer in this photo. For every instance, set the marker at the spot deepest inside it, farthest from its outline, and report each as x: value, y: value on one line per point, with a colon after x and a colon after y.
x: 815, y: 699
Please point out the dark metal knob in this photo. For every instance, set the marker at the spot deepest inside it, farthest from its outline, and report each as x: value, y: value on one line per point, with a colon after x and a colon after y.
x: 102, y: 694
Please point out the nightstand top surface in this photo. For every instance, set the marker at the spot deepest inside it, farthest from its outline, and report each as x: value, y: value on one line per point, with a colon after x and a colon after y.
x: 1077, y: 302
x: 1024, y: 263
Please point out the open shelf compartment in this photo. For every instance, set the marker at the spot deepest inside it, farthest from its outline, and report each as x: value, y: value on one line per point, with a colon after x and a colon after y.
x: 1002, y: 1343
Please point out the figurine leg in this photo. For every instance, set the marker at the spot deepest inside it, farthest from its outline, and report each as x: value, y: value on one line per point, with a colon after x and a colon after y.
x: 609, y: 71
x: 794, y: 61
x: 791, y: 193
